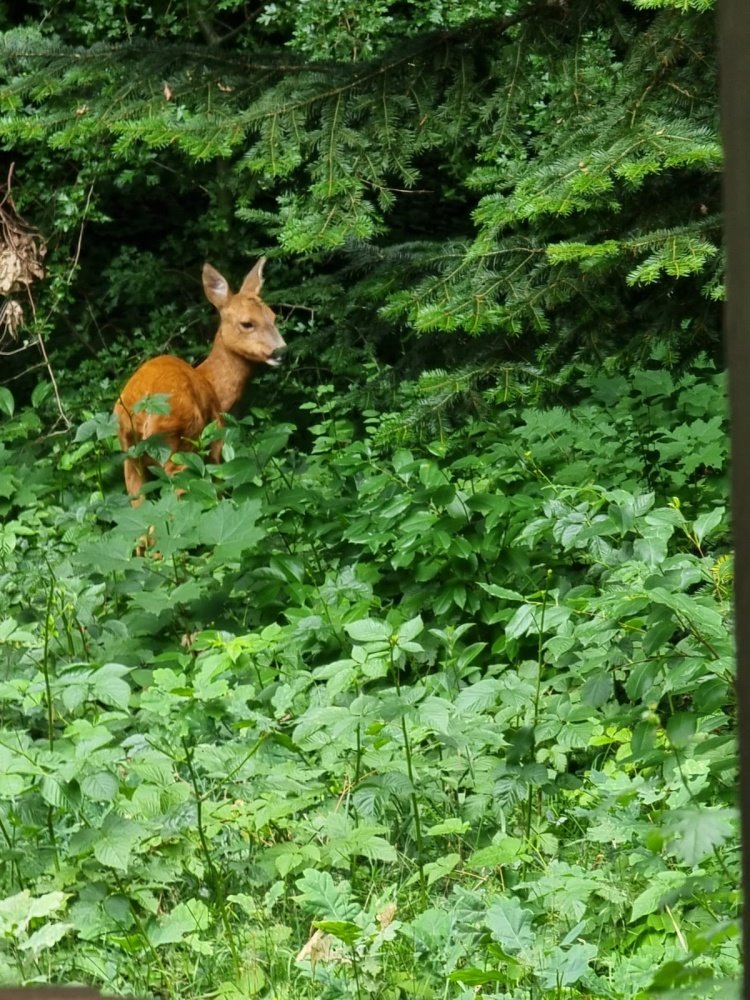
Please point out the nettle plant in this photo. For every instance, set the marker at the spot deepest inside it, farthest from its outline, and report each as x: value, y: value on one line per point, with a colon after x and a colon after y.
x: 375, y: 720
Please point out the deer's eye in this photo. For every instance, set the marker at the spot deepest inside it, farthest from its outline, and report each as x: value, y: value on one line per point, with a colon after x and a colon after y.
x: 248, y: 326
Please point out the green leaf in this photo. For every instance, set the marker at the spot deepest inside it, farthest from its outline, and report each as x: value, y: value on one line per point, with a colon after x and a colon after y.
x: 435, y: 870
x: 409, y: 630
x: 318, y: 893
x: 700, y: 832
x: 505, y: 851
x: 369, y: 630
x: 705, y: 524
x: 189, y: 917
x: 449, y: 827
x: 232, y: 530
x: 598, y: 689
x: 476, y: 977
x: 649, y: 899
x: 565, y: 968
x: 108, y: 685
x: 651, y: 550
x: 510, y: 925
x: 45, y: 937
x: 681, y: 728
x: 7, y: 403
x: 17, y: 911
x: 100, y: 786
x: 478, y: 697
x: 117, y: 840
x: 345, y: 930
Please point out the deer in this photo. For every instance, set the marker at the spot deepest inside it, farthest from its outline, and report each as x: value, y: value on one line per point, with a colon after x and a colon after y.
x: 247, y: 337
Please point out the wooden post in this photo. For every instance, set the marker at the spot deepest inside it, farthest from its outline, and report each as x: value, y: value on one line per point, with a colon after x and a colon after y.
x: 734, y: 45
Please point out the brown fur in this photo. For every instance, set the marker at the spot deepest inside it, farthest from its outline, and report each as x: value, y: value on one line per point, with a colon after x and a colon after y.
x: 247, y: 336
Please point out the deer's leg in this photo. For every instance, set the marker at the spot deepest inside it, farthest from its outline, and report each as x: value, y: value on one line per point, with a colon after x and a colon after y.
x: 214, y: 449
x: 175, y: 444
x: 135, y: 477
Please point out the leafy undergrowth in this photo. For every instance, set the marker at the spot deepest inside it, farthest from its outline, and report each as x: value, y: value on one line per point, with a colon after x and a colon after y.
x: 376, y: 721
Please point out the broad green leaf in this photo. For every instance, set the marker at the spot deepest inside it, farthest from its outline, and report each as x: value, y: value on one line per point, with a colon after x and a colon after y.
x: 409, y: 630
x: 345, y: 930
x: 189, y: 917
x: 651, y: 550
x: 476, y: 977
x: 700, y: 832
x: 681, y: 728
x: 109, y: 686
x: 231, y: 529
x: 449, y: 827
x: 565, y: 968
x: 510, y: 925
x: 649, y: 899
x: 11, y: 632
x: 319, y: 894
x: 658, y: 634
x: 17, y: 911
x: 598, y: 689
x: 705, y: 524
x: 7, y: 403
x: 435, y: 870
x: 100, y: 787
x: 369, y: 630
x: 117, y: 839
x: 478, y: 697
x: 45, y: 937
x: 505, y: 851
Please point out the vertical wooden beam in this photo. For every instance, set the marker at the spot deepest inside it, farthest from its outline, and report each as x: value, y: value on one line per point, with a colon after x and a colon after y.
x: 734, y: 45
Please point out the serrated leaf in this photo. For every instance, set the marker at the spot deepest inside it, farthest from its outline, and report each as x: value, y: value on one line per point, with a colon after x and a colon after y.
x: 345, y: 930
x: 45, y: 937
x: 110, y: 687
x: 117, y: 840
x: 100, y: 786
x: 369, y: 630
x: 504, y: 852
x: 410, y: 630
x: 231, y: 529
x: 478, y: 697
x: 435, y: 870
x: 566, y: 967
x: 510, y: 925
x: 319, y: 894
x: 706, y: 523
x: 649, y: 899
x: 700, y: 832
x: 451, y: 826
x: 186, y: 918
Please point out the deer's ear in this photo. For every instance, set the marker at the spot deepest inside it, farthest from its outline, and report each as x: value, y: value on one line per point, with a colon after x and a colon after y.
x: 254, y: 279
x: 215, y: 286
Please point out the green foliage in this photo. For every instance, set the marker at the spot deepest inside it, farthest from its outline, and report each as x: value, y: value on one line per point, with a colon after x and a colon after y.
x: 544, y: 175
x: 427, y: 689
x: 462, y: 708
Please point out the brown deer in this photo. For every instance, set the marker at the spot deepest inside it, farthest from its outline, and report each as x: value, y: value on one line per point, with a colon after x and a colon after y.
x: 247, y: 337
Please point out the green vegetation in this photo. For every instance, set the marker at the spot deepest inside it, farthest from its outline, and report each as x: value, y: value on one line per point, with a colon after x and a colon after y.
x: 427, y: 689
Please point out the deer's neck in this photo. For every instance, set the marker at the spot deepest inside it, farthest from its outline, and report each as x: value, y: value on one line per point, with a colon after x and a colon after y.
x: 227, y: 373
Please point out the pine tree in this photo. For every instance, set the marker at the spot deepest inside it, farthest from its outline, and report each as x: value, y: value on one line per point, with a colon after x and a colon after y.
x: 546, y: 177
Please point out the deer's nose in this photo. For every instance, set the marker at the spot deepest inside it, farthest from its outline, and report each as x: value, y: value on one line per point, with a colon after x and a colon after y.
x: 278, y: 354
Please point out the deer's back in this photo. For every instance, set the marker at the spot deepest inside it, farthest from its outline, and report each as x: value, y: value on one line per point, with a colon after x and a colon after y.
x: 191, y: 398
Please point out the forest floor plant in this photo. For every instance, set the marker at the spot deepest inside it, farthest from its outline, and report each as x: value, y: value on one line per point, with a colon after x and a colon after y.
x: 387, y: 717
